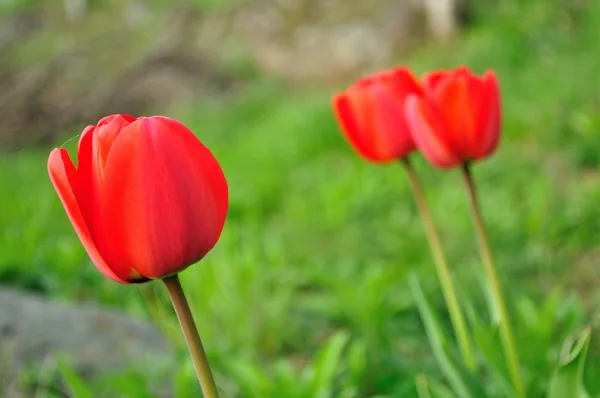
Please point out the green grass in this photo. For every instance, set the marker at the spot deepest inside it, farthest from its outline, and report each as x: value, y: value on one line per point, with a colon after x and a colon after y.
x: 306, y: 292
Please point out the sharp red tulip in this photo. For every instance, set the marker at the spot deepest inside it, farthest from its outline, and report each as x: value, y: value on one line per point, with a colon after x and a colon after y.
x: 458, y: 118
x: 371, y: 114
x: 147, y: 198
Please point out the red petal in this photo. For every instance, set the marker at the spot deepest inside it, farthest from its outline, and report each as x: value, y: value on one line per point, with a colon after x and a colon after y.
x: 429, y: 133
x: 432, y: 80
x: 455, y: 99
x: 488, y: 116
x: 110, y: 119
x: 371, y: 113
x: 390, y: 132
x: 87, y: 186
x: 208, y: 201
x: 106, y: 132
x: 164, y: 198
x: 475, y: 92
x: 356, y: 136
x: 63, y: 176
x: 462, y: 71
x: 401, y: 83
x: 85, y: 132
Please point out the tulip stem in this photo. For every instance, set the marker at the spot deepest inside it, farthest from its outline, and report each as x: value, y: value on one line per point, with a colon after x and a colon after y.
x: 506, y: 334
x: 456, y: 315
x: 192, y: 337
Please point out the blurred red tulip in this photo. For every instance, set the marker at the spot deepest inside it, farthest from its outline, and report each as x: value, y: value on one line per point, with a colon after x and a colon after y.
x: 458, y: 118
x: 371, y: 114
x: 147, y: 199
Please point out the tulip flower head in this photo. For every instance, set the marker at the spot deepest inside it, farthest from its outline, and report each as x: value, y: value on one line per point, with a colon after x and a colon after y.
x: 457, y: 119
x: 147, y: 198
x: 371, y: 114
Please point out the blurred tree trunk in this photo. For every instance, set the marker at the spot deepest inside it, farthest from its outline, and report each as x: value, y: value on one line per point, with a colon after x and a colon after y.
x: 442, y: 18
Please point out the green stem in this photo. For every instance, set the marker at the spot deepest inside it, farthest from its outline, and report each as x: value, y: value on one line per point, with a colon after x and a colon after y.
x: 182, y: 309
x: 506, y: 334
x: 456, y: 315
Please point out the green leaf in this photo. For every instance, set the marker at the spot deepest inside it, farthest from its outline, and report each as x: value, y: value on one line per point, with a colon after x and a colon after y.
x: 328, y: 365
x: 78, y: 387
x: 287, y: 381
x: 486, y: 334
x: 185, y: 383
x: 487, y: 340
x: 462, y: 382
x: 431, y: 389
x: 568, y: 378
x: 249, y: 377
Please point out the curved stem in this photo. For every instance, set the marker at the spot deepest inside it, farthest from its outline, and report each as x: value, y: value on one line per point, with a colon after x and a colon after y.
x: 456, y: 315
x: 190, y: 332
x: 506, y: 334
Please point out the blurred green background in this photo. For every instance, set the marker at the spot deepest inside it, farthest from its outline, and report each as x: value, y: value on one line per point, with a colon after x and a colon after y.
x: 305, y: 294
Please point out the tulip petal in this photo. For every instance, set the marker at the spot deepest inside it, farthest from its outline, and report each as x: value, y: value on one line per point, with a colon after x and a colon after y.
x: 106, y: 132
x: 455, y: 98
x: 390, y: 132
x: 204, y: 205
x: 402, y: 83
x: 347, y: 119
x: 488, y: 116
x: 431, y: 80
x: 371, y: 114
x: 429, y: 132
x: 470, y: 108
x: 87, y: 186
x: 64, y: 177
x: 159, y: 174
x: 473, y: 138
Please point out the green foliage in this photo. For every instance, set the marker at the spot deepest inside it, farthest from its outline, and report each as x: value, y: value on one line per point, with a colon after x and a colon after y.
x: 431, y: 389
x: 76, y: 385
x: 463, y: 383
x: 568, y: 379
x: 330, y: 374
x: 540, y: 328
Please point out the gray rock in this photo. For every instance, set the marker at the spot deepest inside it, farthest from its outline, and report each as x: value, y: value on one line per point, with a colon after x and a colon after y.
x: 332, y: 39
x: 97, y: 71
x: 95, y: 340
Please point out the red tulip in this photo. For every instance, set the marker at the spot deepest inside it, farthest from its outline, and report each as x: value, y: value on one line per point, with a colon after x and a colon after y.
x: 371, y: 114
x: 458, y: 118
x: 147, y: 199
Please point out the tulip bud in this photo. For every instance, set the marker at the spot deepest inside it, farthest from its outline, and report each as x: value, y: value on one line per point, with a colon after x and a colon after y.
x: 147, y: 198
x: 457, y: 119
x: 371, y: 115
